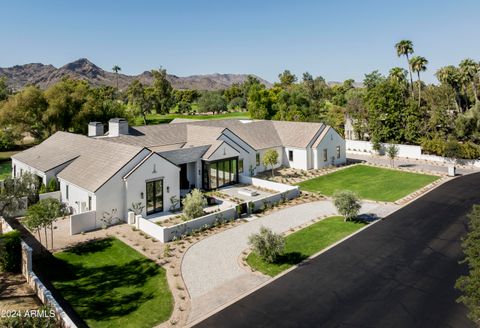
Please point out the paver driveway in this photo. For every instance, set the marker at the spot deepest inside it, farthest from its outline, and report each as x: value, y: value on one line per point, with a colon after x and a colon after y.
x: 211, y: 270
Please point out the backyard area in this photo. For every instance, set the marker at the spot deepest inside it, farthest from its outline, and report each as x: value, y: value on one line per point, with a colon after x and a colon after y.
x: 110, y: 284
x: 369, y: 182
x: 304, y: 243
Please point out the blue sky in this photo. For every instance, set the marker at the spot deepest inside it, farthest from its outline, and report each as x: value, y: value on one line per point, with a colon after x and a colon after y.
x: 336, y: 39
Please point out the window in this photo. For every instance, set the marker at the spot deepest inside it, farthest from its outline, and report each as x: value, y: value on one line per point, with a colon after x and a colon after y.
x: 290, y: 155
x: 257, y: 159
x: 338, y: 151
x: 66, y: 192
x: 325, y: 155
x: 14, y: 171
x: 240, y: 166
x: 89, y: 203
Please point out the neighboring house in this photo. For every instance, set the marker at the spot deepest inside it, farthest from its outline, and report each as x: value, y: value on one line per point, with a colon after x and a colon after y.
x: 152, y: 164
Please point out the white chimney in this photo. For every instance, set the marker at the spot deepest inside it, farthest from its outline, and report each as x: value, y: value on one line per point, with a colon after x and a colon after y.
x: 95, y: 129
x: 117, y: 127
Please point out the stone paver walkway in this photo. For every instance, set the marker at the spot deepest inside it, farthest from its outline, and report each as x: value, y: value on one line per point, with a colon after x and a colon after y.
x: 211, y: 270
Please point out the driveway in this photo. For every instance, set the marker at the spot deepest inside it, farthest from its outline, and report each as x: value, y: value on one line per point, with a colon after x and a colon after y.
x: 398, y: 273
x: 210, y: 268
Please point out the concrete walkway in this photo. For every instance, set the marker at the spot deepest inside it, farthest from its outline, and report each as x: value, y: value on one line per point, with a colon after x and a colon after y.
x: 211, y: 270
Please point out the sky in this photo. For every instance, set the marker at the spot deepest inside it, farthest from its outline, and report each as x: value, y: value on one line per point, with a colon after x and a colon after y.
x: 338, y: 40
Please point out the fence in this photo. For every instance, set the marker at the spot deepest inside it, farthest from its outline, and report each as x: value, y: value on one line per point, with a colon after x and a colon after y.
x: 407, y: 151
x: 83, y: 222
x: 290, y: 191
x: 36, y: 284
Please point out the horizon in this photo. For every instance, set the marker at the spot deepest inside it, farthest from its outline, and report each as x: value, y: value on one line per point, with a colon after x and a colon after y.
x: 189, y: 38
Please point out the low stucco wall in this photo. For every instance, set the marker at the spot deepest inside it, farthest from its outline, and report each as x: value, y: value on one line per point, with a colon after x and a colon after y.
x: 291, y: 191
x: 150, y: 228
x: 83, y: 222
x: 54, y: 194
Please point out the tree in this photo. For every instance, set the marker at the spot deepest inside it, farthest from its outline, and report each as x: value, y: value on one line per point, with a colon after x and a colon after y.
x: 116, y: 69
x: 270, y: 158
x: 162, y: 92
x: 419, y: 64
x: 4, y: 91
x: 267, y: 244
x: 42, y: 215
x: 469, y: 284
x: 212, y: 102
x: 470, y: 72
x: 373, y: 79
x: 450, y: 75
x: 392, y: 152
x: 347, y: 204
x: 405, y: 48
x: 16, y: 191
x: 193, y: 204
x: 141, y: 98
x: 398, y: 75
x: 287, y: 79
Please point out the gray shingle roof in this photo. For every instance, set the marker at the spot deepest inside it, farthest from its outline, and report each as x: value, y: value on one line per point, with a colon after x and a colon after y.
x: 185, y: 155
x: 94, y: 160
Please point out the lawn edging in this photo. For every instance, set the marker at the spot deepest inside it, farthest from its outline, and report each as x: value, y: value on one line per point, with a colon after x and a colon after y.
x: 272, y: 279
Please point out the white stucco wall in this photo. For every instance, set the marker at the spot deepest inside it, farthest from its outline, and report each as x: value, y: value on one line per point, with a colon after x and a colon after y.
x: 330, y: 142
x: 224, y: 151
x: 261, y: 167
x: 46, y: 176
x: 76, y: 196
x: 136, y: 182
x: 300, y: 158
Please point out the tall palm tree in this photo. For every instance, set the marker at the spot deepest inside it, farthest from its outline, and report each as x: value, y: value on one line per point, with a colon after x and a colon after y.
x: 419, y: 64
x: 116, y: 69
x: 450, y: 75
x: 398, y: 74
x: 470, y: 73
x: 405, y: 48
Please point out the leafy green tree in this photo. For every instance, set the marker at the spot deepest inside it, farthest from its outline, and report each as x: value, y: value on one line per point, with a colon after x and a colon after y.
x: 267, y: 244
x: 260, y: 102
x: 419, y: 64
x: 238, y: 103
x: 470, y: 73
x: 405, y: 48
x: 184, y: 107
x: 287, y: 79
x: 347, y: 204
x: 141, y: 98
x: 4, y: 90
x: 373, y: 79
x: 193, y: 204
x: 469, y: 284
x: 270, y: 158
x: 398, y: 75
x: 212, y: 102
x: 162, y: 92
x: 232, y: 92
x: 451, y: 76
x: 116, y: 69
x: 10, y: 251
x: 15, y: 191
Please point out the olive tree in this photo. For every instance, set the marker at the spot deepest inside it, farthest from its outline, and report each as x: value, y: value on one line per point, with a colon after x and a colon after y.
x: 16, y: 193
x: 193, y: 204
x: 270, y: 158
x: 347, y: 204
x: 267, y: 244
x: 392, y: 152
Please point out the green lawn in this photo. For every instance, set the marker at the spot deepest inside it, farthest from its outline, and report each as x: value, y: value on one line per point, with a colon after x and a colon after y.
x: 304, y: 243
x: 110, y: 284
x: 159, y: 119
x: 369, y: 182
x: 5, y: 170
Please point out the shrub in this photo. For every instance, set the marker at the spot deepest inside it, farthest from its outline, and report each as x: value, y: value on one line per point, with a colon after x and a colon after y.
x: 52, y: 185
x: 10, y: 251
x: 347, y: 204
x: 193, y: 204
x: 267, y: 244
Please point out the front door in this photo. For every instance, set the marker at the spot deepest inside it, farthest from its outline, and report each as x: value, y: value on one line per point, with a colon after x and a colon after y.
x: 154, y: 196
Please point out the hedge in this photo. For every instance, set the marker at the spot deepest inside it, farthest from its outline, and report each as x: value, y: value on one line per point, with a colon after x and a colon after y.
x: 10, y: 252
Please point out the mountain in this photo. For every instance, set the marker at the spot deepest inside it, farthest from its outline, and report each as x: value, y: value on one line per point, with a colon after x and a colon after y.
x: 45, y: 75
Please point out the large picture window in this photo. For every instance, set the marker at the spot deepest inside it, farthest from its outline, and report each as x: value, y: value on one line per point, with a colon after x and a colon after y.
x: 220, y: 173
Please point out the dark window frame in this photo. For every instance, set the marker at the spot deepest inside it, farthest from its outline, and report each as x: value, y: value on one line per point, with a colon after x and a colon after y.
x: 290, y: 155
x: 325, y: 154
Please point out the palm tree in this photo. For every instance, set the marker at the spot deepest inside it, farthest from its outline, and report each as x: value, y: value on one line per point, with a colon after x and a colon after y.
x: 419, y: 64
x: 405, y: 48
x: 398, y: 75
x: 116, y: 69
x: 450, y: 75
x: 470, y: 70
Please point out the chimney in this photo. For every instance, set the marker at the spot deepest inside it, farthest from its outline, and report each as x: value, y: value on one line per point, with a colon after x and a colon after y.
x: 117, y: 127
x: 95, y: 129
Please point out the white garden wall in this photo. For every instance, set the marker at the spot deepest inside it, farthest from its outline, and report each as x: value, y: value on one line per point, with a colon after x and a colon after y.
x: 84, y: 222
x: 54, y: 194
x: 292, y: 191
x: 150, y: 228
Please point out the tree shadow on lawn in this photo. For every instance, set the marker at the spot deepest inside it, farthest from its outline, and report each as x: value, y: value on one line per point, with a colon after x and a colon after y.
x: 105, y: 292
x: 90, y: 246
x: 290, y: 258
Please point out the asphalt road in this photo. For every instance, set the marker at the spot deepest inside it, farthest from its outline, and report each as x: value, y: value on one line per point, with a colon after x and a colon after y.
x: 398, y: 273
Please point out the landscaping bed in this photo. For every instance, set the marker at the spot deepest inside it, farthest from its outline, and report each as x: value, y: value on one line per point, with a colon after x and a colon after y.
x: 110, y: 284
x: 369, y: 182
x: 304, y: 243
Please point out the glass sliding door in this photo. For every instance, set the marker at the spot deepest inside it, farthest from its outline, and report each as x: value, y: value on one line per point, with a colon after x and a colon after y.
x: 220, y: 173
x: 154, y: 196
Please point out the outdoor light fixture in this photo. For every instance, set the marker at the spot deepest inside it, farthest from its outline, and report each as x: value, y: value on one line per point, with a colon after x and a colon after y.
x: 168, y: 189
x: 141, y: 195
x: 154, y: 168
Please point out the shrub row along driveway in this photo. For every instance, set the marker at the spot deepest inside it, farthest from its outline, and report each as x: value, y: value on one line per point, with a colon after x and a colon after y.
x: 210, y: 268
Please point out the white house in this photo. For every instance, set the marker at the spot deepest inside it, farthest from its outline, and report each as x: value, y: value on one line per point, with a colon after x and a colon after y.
x: 108, y: 172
